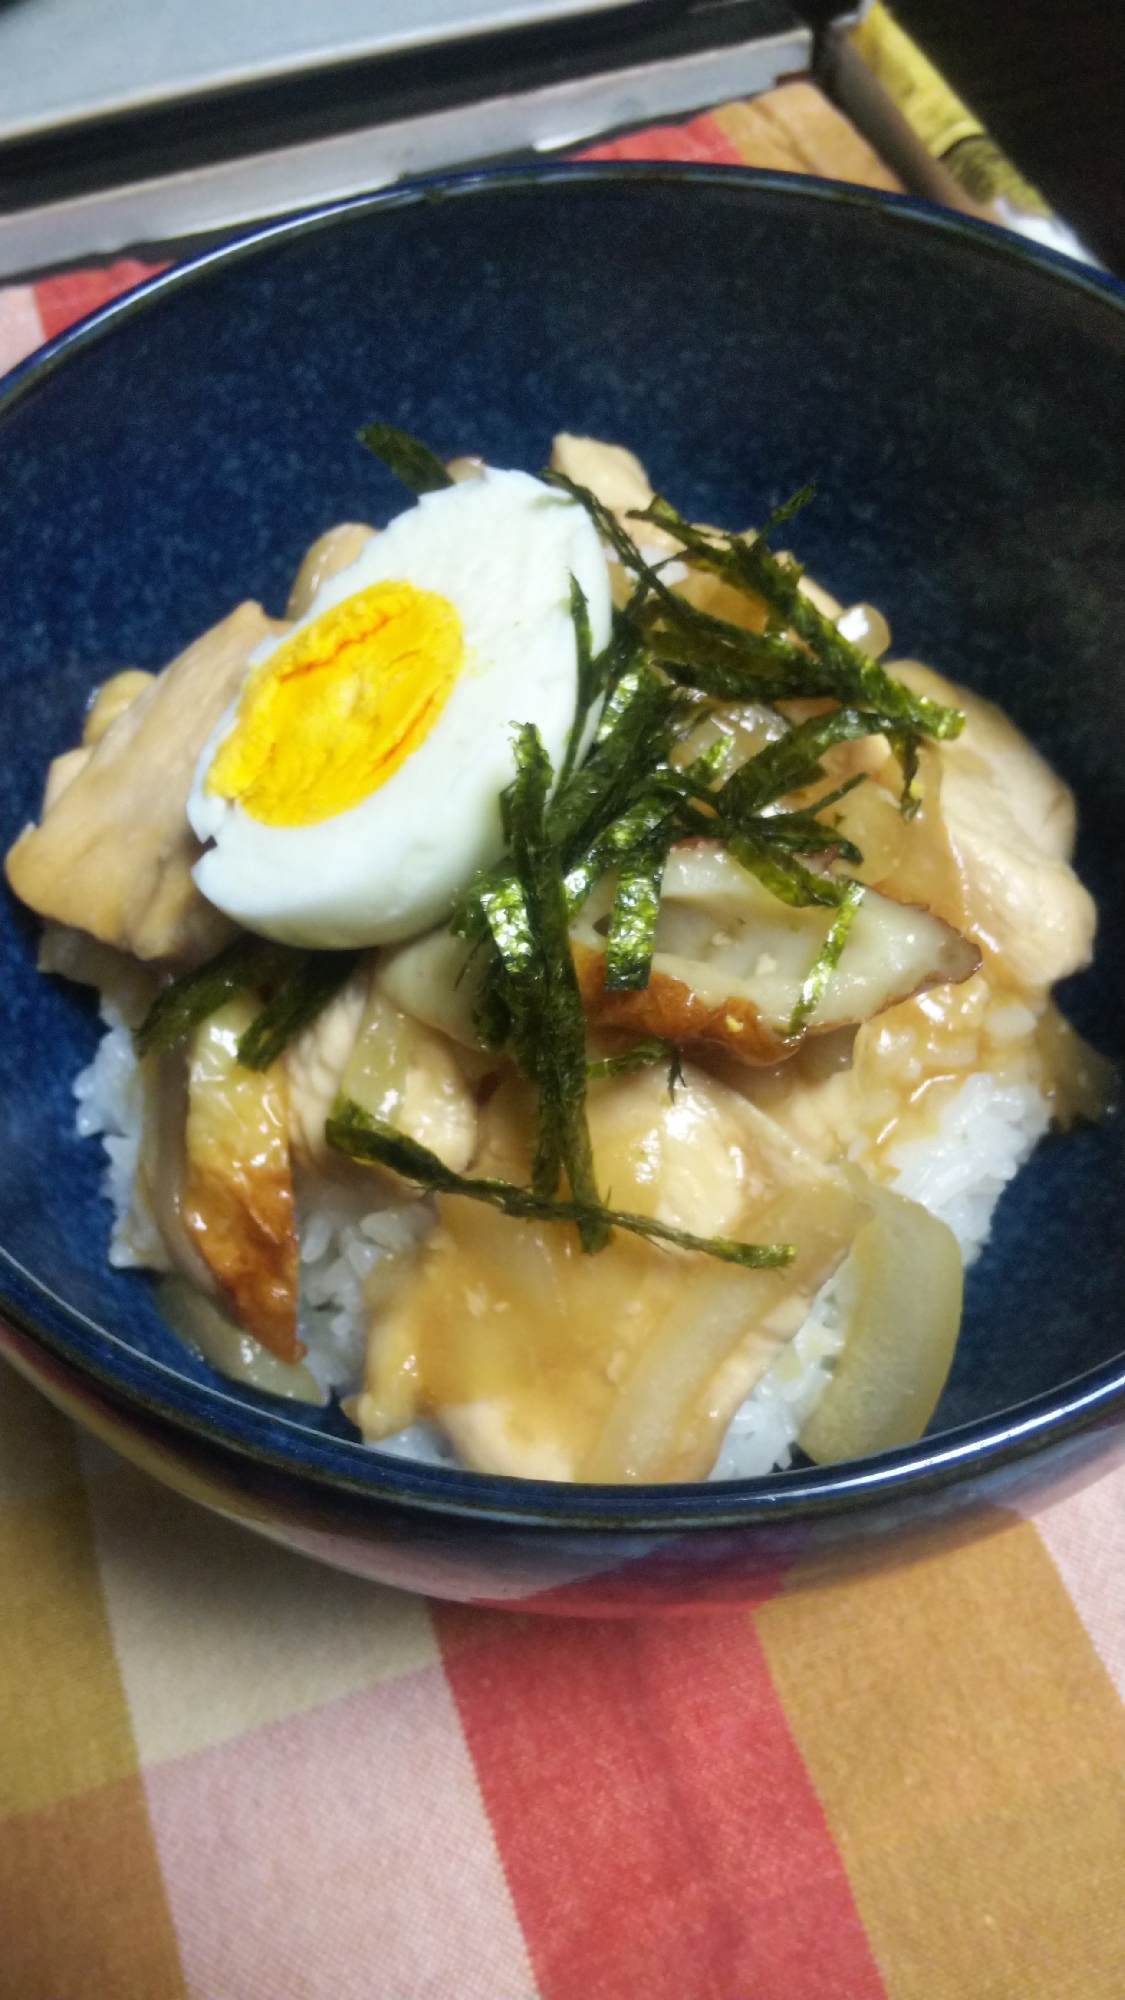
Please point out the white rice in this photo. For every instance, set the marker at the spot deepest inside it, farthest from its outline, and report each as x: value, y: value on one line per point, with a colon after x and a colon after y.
x: 111, y: 1105
x: 340, y: 1247
x: 986, y: 1132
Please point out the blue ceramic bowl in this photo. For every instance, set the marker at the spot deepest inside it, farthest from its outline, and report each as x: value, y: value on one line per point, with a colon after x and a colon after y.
x: 959, y: 397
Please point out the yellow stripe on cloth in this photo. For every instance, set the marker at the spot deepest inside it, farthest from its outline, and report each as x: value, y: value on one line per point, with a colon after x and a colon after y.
x: 38, y: 1453
x: 83, y: 1913
x: 968, y: 1748
x: 63, y: 1717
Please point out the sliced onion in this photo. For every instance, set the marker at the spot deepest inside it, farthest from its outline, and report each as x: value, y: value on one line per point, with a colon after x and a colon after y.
x: 436, y: 979
x: 900, y: 1299
x: 663, y: 1424
x: 235, y: 1353
x: 406, y: 1073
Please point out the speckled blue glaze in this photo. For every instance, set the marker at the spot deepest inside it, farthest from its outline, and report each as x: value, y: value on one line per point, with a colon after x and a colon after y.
x: 960, y: 399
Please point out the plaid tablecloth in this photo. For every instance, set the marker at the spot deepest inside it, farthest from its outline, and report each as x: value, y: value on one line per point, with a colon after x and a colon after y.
x: 228, y: 1774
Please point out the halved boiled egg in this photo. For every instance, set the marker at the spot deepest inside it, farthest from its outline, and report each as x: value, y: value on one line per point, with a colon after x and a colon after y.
x: 353, y: 789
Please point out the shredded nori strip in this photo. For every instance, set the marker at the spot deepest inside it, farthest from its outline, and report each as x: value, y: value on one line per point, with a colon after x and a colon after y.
x: 301, y: 983
x: 640, y: 827
x: 907, y: 744
x: 248, y: 964
x: 631, y: 939
x: 752, y: 566
x: 802, y: 833
x: 353, y: 1131
x: 783, y: 875
x: 410, y: 460
x: 645, y: 1054
x: 827, y: 959
x: 310, y: 983
x: 590, y: 678
x: 791, y: 762
x: 726, y: 660
x: 635, y: 735
x: 527, y: 916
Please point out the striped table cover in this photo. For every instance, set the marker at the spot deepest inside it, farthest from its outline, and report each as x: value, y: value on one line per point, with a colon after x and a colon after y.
x: 228, y: 1774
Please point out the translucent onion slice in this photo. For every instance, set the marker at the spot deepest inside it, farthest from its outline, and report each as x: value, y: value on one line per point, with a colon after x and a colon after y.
x: 230, y: 1349
x: 900, y: 1300
x: 404, y: 1072
x: 662, y: 1424
x: 435, y: 978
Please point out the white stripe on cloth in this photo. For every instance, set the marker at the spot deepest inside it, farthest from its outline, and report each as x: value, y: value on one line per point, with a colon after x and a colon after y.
x: 21, y: 329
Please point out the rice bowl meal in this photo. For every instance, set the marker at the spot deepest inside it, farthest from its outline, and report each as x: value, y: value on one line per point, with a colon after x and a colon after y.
x: 567, y: 993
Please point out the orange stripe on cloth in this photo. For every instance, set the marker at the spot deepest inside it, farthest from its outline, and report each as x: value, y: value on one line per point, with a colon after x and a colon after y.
x: 657, y: 1828
x: 969, y: 1751
x: 697, y: 139
x: 63, y: 300
x: 82, y: 1909
x: 796, y: 129
x: 790, y: 129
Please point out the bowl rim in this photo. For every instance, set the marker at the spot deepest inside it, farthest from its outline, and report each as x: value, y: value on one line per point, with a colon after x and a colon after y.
x: 258, y: 1430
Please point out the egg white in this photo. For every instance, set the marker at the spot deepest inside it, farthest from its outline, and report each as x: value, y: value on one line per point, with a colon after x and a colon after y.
x: 502, y: 550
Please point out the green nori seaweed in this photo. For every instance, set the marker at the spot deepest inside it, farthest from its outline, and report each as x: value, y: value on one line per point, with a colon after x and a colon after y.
x: 353, y: 1131
x: 631, y: 939
x: 645, y: 1054
x: 300, y: 984
x: 854, y: 677
x: 307, y: 987
x: 636, y: 733
x: 640, y: 826
x: 791, y: 762
x: 247, y: 965
x: 528, y: 919
x: 782, y: 874
x: 410, y: 460
x: 591, y: 677
x: 827, y: 959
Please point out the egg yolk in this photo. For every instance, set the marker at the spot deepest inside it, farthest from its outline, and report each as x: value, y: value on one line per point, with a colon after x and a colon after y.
x: 339, y: 705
